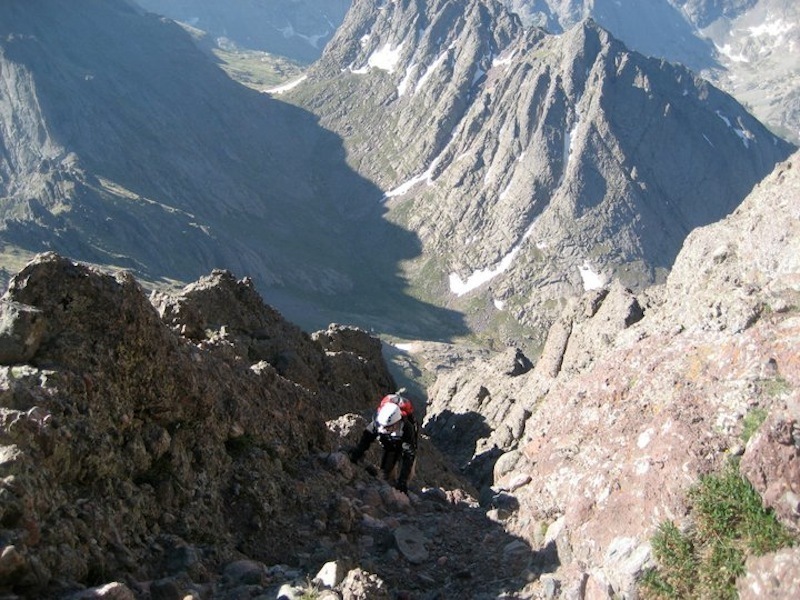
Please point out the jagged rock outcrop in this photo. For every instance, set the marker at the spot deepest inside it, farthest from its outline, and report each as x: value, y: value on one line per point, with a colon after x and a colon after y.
x: 119, y: 434
x: 232, y: 313
x: 531, y: 166
x: 619, y: 429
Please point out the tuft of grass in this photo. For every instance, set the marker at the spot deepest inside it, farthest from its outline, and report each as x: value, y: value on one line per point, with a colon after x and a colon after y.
x: 310, y: 592
x: 730, y: 524
x: 676, y: 554
x: 775, y: 387
x: 751, y: 422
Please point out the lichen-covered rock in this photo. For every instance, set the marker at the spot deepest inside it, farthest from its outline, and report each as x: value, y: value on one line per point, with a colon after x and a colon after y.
x: 360, y: 585
x: 775, y: 576
x: 771, y: 462
x: 639, y: 396
x: 21, y: 331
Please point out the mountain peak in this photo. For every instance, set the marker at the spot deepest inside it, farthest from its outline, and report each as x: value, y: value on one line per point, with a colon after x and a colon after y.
x: 532, y: 165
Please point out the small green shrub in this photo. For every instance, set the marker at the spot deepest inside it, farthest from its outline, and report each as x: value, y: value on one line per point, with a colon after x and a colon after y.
x: 775, y: 387
x: 675, y: 552
x: 751, y: 422
x: 310, y: 592
x: 729, y: 524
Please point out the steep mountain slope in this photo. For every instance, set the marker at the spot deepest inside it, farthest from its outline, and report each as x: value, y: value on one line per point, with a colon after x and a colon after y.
x: 599, y: 443
x: 124, y: 145
x: 531, y: 166
x: 298, y: 29
x: 168, y: 444
x: 164, y: 448
x: 747, y: 47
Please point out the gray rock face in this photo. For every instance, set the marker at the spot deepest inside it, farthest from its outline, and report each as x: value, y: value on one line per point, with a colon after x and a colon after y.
x: 743, y: 46
x: 531, y: 166
x: 182, y: 177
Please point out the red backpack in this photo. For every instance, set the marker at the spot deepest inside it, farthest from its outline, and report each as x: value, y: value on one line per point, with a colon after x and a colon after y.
x: 406, y: 407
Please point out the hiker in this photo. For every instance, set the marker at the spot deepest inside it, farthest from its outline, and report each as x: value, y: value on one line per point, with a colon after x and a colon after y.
x: 395, y: 427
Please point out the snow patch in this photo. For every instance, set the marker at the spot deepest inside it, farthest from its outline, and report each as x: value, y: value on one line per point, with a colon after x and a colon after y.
x: 505, y: 191
x: 476, y: 78
x: 503, y: 60
x: 460, y: 286
x: 410, y: 347
x: 569, y: 141
x: 403, y: 87
x: 591, y: 280
x: 727, y: 50
x: 360, y: 71
x: 776, y: 28
x: 429, y: 71
x: 499, y: 304
x: 427, y: 176
x: 386, y: 58
x: 286, y: 86
x: 743, y: 134
x: 401, y: 189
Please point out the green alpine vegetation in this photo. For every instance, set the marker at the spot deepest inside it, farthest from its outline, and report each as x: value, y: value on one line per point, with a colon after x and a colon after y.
x: 729, y: 524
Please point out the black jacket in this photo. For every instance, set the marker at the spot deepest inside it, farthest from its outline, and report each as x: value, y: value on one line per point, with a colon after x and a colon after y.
x: 401, y: 446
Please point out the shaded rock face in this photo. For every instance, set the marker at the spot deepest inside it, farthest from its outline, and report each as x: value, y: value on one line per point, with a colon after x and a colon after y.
x: 231, y: 312
x: 120, y: 134
x: 533, y: 167
x: 297, y: 29
x: 636, y: 397
x: 128, y: 447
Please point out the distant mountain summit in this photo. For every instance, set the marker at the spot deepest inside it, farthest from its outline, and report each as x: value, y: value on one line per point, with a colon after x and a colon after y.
x: 746, y: 47
x: 531, y: 166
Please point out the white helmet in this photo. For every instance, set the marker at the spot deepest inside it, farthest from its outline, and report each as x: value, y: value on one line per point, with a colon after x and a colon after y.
x: 388, y: 415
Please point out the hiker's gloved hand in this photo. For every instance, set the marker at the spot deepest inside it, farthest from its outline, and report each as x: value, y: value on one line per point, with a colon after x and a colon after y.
x: 401, y: 486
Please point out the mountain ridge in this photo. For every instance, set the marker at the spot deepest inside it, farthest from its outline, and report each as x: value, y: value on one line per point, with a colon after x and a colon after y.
x: 233, y: 174
x: 496, y: 180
